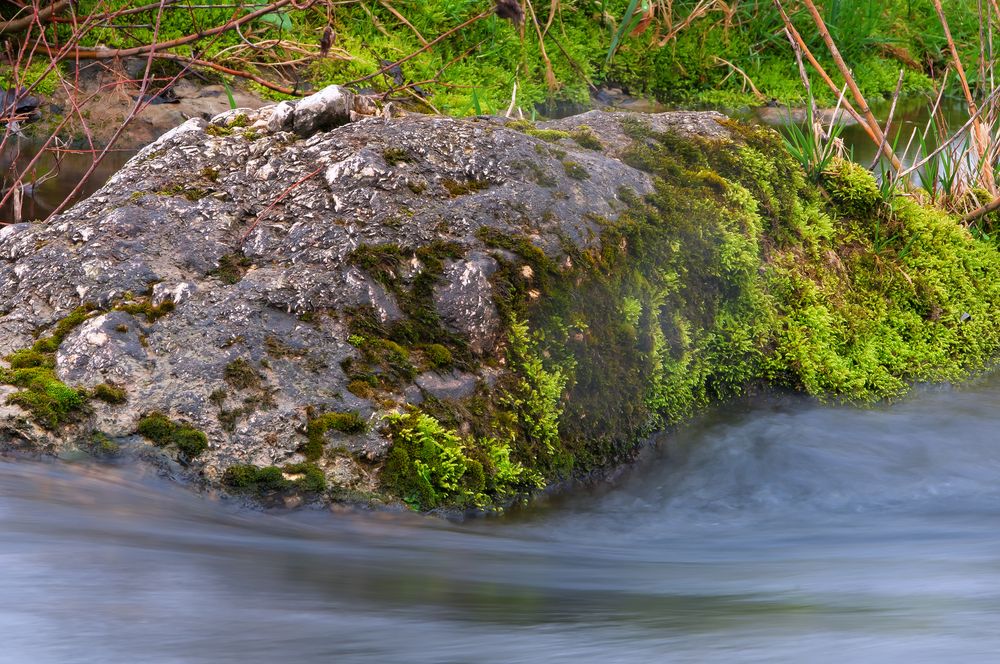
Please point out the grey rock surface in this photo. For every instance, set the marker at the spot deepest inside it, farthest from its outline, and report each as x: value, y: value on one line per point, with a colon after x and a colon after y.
x: 290, y: 193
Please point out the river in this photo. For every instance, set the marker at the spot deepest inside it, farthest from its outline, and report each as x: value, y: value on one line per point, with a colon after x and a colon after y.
x: 774, y: 530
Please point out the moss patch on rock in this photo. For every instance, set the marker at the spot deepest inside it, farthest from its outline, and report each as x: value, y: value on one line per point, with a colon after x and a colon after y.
x: 50, y: 401
x: 269, y: 480
x: 163, y: 431
x: 316, y: 429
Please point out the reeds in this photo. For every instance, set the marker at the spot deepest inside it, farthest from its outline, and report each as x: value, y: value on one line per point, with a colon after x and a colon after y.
x: 954, y: 169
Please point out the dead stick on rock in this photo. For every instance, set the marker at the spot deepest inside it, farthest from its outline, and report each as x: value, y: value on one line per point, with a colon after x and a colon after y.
x: 277, y: 200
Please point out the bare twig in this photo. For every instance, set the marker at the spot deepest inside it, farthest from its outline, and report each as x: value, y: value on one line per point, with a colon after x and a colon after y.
x: 852, y: 85
x: 292, y: 187
x: 888, y: 122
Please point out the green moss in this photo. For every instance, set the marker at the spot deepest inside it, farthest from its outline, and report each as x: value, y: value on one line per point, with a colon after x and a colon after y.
x: 438, y: 356
x: 239, y: 120
x: 548, y: 135
x: 218, y: 130
x: 51, y: 402
x: 456, y: 188
x: 163, y: 431
x: 362, y: 388
x: 277, y: 348
x: 575, y: 170
x: 232, y: 268
x: 852, y: 188
x: 303, y: 477
x: 585, y: 137
x: 110, y: 393
x: 385, y: 348
x: 157, y: 427
x: 316, y: 429
x: 210, y: 173
x: 396, y: 156
x: 100, y: 445
x: 144, y: 307
x: 190, y: 193
x: 307, y: 477
x: 242, y: 375
x: 29, y: 357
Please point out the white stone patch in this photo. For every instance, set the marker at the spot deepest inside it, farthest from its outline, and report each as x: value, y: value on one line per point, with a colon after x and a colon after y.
x: 177, y: 293
x: 350, y: 166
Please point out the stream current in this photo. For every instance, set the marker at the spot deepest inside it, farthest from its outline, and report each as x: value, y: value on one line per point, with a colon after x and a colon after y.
x: 777, y: 530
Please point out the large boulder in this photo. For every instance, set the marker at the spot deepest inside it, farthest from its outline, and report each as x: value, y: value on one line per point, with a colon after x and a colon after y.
x: 319, y: 299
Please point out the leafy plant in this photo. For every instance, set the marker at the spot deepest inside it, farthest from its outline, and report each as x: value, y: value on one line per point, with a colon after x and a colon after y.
x: 813, y: 148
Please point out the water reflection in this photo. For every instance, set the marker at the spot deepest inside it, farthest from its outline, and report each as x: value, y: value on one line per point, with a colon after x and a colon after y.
x: 53, y: 176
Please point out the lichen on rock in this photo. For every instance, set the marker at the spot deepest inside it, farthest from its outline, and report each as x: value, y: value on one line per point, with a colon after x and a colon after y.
x: 443, y: 312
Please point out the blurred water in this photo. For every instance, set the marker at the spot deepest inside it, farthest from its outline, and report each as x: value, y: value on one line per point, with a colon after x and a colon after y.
x: 775, y: 531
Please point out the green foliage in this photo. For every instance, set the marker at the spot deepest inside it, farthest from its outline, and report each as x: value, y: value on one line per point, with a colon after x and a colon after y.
x: 474, y: 70
x: 426, y: 465
x: 813, y: 150
x: 40, y: 77
x: 537, y: 396
x: 163, y: 431
x: 430, y: 465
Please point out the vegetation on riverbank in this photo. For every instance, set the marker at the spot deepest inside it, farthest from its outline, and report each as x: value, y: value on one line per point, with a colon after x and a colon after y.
x: 731, y: 53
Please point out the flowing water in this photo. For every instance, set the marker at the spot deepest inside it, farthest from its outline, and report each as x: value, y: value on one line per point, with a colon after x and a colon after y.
x: 773, y: 531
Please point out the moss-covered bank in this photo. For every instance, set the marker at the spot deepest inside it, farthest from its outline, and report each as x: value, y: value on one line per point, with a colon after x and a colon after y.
x: 734, y: 272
